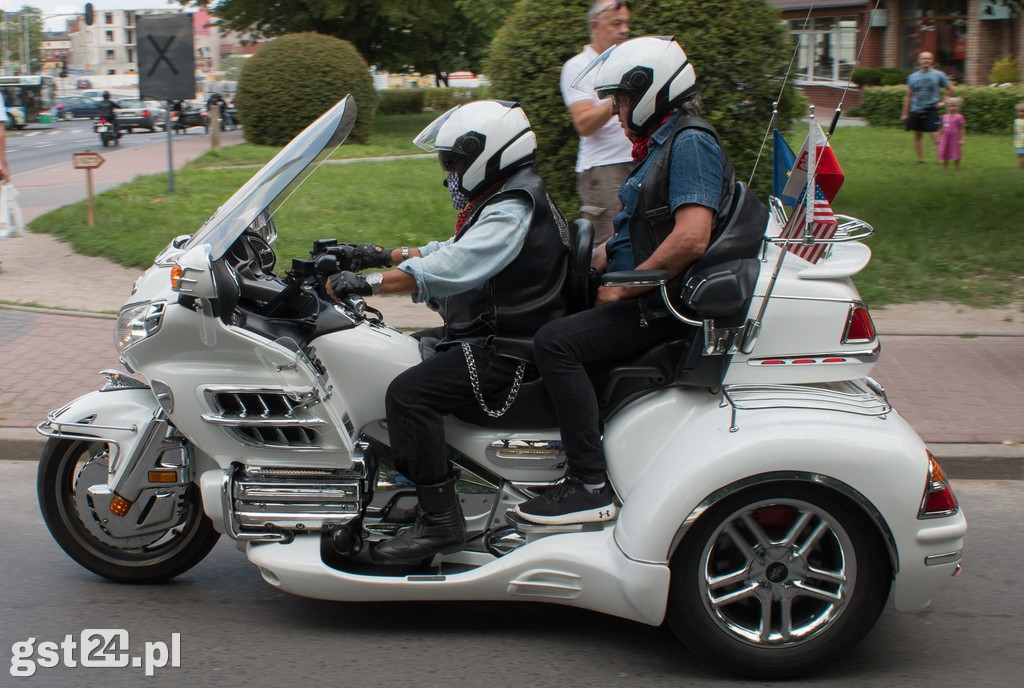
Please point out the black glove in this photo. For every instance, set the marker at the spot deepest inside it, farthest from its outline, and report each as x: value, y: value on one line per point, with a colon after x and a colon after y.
x: 345, y: 283
x: 356, y: 257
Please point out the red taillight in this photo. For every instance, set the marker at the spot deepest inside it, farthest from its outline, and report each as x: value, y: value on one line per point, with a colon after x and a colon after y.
x: 859, y: 327
x: 145, y: 113
x: 938, y: 499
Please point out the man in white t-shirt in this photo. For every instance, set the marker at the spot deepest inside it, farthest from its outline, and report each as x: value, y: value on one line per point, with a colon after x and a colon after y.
x: 4, y: 174
x: 605, y: 157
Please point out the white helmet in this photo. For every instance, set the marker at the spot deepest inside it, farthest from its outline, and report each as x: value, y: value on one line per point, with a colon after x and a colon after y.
x: 491, y: 137
x: 652, y: 71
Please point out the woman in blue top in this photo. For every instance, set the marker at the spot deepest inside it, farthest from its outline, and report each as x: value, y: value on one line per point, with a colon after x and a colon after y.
x: 669, y: 206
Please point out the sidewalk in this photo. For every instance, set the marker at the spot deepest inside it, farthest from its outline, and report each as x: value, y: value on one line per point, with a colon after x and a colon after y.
x: 956, y: 374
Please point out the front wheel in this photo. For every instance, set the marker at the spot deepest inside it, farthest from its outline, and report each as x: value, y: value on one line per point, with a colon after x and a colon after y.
x: 67, y: 469
x: 778, y: 580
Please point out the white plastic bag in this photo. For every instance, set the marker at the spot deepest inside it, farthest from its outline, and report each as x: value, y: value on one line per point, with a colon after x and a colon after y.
x: 12, y: 223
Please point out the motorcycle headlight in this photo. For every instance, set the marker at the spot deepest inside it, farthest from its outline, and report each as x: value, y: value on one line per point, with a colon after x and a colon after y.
x: 136, y: 322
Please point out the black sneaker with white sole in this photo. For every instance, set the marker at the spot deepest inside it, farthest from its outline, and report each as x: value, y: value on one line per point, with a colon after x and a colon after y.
x: 568, y: 501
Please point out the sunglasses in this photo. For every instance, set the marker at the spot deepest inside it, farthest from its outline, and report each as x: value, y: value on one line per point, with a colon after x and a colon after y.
x: 615, y: 5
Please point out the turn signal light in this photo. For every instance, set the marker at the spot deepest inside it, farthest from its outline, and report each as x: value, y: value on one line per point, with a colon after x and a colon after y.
x: 163, y: 476
x: 119, y: 506
x: 859, y: 327
x: 938, y: 499
x: 176, y: 272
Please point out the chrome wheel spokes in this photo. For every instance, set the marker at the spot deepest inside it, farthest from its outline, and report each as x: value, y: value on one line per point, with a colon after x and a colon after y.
x: 777, y: 572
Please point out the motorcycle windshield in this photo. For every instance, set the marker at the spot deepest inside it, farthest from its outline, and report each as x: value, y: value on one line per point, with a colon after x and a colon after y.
x: 269, y: 188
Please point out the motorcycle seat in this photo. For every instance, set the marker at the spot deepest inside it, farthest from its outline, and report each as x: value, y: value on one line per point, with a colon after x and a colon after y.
x: 674, y: 363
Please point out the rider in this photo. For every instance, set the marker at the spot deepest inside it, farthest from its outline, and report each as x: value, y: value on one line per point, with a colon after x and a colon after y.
x: 670, y: 202
x: 218, y: 100
x: 496, y: 281
x: 108, y: 110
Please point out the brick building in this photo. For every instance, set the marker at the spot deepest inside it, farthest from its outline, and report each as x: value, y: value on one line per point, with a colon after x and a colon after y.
x: 967, y: 37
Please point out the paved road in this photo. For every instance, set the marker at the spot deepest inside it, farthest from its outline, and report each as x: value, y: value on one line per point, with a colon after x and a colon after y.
x: 238, y: 631
x: 43, y: 145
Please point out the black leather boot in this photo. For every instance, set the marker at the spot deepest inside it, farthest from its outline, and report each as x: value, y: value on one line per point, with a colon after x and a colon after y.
x: 439, y: 528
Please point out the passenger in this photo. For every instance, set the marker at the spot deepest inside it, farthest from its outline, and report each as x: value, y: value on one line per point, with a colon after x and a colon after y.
x: 669, y: 204
x: 496, y: 281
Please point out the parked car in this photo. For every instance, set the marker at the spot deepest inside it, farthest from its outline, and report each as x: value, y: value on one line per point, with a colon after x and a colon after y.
x: 70, y: 107
x: 83, y: 83
x: 133, y: 113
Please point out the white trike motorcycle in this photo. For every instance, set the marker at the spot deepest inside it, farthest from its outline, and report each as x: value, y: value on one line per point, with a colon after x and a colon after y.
x: 770, y: 495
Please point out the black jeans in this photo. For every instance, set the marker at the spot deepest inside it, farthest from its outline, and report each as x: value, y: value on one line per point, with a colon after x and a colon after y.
x: 418, y: 399
x: 562, y: 348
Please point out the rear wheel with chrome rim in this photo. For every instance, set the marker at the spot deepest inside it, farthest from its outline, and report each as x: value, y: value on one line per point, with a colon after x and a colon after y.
x: 778, y: 580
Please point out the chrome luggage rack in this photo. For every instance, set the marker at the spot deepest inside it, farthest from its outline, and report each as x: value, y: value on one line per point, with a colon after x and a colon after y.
x: 850, y: 228
x: 861, y: 397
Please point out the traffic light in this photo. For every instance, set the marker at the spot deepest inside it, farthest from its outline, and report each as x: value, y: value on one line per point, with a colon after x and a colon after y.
x: 89, y: 17
x: 63, y: 69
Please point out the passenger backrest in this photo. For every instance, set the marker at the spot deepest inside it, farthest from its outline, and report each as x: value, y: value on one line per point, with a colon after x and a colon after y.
x: 721, y: 282
x: 581, y: 285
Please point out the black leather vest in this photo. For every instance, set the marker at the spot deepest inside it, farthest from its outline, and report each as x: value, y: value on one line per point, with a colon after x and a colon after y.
x: 507, y: 309
x: 653, y: 220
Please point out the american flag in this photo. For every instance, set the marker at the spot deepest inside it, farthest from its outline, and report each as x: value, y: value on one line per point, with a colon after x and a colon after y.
x: 823, y: 226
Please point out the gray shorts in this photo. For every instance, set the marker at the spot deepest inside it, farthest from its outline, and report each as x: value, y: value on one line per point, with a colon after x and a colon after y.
x: 598, y: 189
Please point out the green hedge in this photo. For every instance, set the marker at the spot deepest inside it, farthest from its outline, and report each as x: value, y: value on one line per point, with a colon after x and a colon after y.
x: 411, y: 101
x: 276, y: 105
x: 987, y: 110
x: 444, y: 99
x: 879, y: 76
x: 400, y: 101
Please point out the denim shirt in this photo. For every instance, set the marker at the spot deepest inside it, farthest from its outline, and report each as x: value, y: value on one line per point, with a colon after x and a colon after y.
x: 695, y: 177
x: 449, y: 267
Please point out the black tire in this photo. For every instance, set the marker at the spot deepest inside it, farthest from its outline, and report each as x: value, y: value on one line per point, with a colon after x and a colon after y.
x: 724, y: 597
x: 171, y: 554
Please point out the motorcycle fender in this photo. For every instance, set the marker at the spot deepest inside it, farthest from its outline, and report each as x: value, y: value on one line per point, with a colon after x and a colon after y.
x: 121, y: 417
x: 690, y: 460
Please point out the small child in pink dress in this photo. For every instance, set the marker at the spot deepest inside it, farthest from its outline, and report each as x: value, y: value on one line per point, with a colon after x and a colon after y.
x: 954, y: 127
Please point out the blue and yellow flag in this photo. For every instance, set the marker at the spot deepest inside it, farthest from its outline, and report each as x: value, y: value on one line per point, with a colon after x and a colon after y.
x: 783, y: 159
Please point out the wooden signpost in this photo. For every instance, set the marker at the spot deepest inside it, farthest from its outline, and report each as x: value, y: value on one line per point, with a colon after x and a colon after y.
x: 88, y: 161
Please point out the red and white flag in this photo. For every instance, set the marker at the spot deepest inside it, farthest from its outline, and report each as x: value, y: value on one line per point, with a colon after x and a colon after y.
x: 823, y: 226
x: 827, y: 172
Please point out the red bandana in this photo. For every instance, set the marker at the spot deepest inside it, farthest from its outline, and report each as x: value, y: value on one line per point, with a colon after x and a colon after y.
x: 464, y: 214
x: 640, y: 151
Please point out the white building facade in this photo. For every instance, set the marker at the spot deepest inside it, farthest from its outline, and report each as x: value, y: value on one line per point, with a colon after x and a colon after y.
x: 109, y: 46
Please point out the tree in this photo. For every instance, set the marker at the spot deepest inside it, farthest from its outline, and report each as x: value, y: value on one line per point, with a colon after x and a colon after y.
x: 14, y: 37
x: 739, y: 48
x: 428, y: 36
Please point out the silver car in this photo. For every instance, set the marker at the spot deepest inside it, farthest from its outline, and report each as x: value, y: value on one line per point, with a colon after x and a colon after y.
x: 133, y: 113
